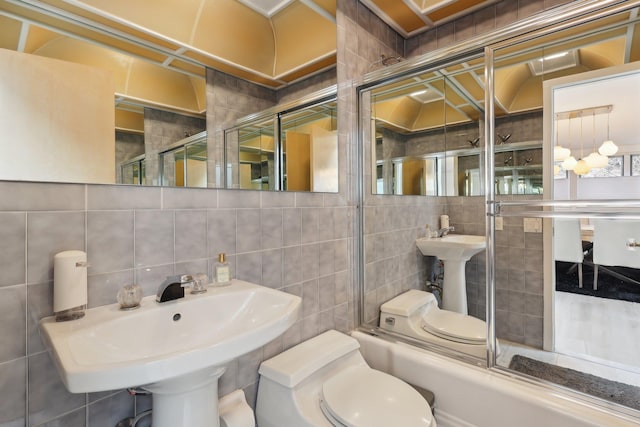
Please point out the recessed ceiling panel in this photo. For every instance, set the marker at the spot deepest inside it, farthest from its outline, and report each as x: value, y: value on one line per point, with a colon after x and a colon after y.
x: 234, y: 33
x: 72, y: 50
x: 454, y: 8
x: 328, y: 6
x: 296, y: 23
x: 302, y: 72
x: 400, y: 112
x: 134, y: 78
x: 471, y: 85
x: 397, y: 14
x: 39, y: 37
x: 228, y: 68
x: 178, y: 91
x: 182, y: 66
x: 410, y: 17
x: 634, y: 44
x: 129, y: 121
x: 172, y: 19
x: 9, y: 33
x: 84, y: 11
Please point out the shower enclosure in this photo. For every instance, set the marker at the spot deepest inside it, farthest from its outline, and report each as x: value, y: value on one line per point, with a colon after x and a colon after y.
x: 470, y: 131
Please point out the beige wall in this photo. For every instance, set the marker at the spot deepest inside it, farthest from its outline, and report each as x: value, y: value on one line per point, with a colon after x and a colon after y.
x: 73, y: 142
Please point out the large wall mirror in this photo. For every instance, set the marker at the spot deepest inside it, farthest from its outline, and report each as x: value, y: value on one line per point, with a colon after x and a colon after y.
x: 562, y: 270
x: 158, y: 70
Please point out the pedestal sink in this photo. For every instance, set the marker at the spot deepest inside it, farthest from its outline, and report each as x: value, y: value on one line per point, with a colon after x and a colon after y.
x: 454, y: 250
x: 177, y: 350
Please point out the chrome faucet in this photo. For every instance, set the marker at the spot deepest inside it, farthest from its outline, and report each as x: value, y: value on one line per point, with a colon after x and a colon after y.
x: 173, y: 287
x: 444, y: 231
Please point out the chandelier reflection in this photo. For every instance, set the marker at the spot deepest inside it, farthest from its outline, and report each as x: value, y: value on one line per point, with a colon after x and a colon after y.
x: 598, y: 158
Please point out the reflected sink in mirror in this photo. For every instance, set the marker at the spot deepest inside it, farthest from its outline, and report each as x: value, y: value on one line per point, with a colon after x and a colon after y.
x: 170, y: 347
x: 452, y: 246
x: 454, y: 250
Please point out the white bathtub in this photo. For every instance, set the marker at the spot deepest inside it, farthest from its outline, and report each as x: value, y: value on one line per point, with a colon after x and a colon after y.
x: 469, y: 396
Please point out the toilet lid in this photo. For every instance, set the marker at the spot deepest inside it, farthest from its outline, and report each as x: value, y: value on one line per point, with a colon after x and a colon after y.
x: 454, y: 326
x: 363, y: 397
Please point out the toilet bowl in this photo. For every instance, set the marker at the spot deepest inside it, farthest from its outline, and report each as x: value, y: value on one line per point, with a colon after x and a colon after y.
x: 325, y: 381
x: 416, y: 314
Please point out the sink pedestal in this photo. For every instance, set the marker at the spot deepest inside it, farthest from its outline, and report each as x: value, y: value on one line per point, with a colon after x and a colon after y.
x: 188, y: 400
x: 454, y: 250
x: 454, y: 286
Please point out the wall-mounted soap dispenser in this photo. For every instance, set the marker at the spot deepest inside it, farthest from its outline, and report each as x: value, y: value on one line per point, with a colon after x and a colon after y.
x: 69, y: 285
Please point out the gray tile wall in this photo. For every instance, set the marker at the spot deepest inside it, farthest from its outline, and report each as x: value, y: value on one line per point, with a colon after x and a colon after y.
x: 311, y: 84
x: 518, y: 271
x: 393, y: 264
x: 392, y: 223
x: 519, y: 283
x: 228, y: 99
x: 362, y: 39
x: 298, y: 243
x: 467, y: 215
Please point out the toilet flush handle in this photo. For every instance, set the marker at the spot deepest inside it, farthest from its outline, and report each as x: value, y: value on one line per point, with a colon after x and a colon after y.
x: 390, y: 321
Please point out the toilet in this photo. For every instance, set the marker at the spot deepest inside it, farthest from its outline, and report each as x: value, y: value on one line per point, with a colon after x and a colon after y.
x: 416, y: 314
x: 325, y: 381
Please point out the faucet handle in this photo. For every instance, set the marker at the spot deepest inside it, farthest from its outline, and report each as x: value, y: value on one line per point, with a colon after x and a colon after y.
x: 186, y: 280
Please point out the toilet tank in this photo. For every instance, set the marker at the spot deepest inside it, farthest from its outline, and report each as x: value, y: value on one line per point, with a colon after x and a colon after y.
x: 298, y: 363
x: 290, y: 383
x: 398, y: 314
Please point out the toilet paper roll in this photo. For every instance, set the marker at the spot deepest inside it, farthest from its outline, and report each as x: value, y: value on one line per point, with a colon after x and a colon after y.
x: 234, y: 411
x: 444, y: 221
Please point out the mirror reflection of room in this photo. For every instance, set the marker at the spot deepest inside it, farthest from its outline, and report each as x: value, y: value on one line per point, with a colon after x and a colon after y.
x: 541, y: 326
x: 294, y: 149
x: 429, y: 137
x: 161, y: 83
x: 577, y: 319
x: 426, y: 144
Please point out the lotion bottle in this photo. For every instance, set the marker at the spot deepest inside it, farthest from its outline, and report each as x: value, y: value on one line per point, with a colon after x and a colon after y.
x: 222, y: 271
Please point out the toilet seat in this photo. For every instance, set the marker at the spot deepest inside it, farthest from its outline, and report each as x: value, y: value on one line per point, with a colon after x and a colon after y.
x: 363, y: 397
x: 454, y: 326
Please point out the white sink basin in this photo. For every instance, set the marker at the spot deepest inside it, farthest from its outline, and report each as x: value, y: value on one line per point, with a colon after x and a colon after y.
x: 454, y: 250
x: 162, y: 344
x: 452, y: 246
